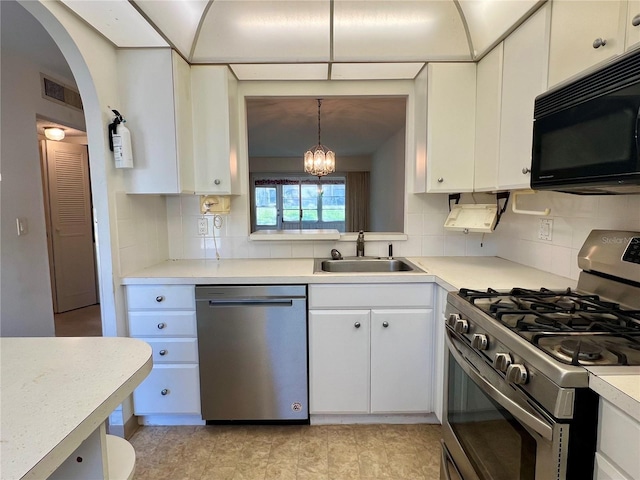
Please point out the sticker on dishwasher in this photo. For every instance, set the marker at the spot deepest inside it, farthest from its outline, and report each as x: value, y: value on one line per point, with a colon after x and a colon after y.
x: 296, y: 406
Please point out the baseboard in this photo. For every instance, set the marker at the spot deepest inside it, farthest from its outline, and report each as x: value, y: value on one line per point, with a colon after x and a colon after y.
x: 169, y: 420
x: 374, y: 419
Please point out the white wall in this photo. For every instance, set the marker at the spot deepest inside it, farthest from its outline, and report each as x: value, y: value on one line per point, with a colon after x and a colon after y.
x: 26, y: 305
x: 387, y: 179
x: 573, y: 216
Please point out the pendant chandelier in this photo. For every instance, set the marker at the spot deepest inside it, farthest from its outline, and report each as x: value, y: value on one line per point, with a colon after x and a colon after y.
x: 319, y: 160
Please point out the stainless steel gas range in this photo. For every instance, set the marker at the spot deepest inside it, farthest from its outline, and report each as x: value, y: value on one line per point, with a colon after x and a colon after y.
x: 517, y: 404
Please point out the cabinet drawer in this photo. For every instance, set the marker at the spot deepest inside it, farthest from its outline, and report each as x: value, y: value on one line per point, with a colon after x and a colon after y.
x: 174, y: 350
x: 409, y: 295
x: 162, y: 324
x: 169, y: 389
x: 161, y: 297
x: 619, y: 438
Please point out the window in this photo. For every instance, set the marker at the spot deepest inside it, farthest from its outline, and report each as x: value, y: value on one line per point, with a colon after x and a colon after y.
x: 281, y: 203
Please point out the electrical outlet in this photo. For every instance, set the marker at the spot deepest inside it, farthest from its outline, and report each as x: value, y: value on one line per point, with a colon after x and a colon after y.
x: 546, y: 229
x: 202, y: 226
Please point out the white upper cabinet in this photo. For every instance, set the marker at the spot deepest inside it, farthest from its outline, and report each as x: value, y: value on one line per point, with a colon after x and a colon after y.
x: 632, y: 24
x: 215, y: 129
x: 154, y: 93
x: 488, y: 101
x: 524, y: 77
x: 584, y: 34
x: 451, y: 105
x: 509, y: 79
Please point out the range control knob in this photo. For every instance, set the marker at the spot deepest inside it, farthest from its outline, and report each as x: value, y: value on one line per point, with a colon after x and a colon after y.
x: 453, y: 318
x: 502, y: 361
x: 479, y: 341
x: 517, y: 373
x: 461, y: 326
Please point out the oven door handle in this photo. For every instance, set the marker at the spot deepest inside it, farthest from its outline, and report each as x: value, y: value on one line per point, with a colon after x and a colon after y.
x: 538, y: 425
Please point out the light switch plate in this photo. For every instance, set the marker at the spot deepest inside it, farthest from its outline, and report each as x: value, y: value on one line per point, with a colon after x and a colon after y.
x: 22, y: 226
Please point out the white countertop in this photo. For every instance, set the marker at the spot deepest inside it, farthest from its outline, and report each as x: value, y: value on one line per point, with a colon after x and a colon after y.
x: 484, y: 272
x: 56, y: 391
x: 619, y: 385
x: 256, y: 271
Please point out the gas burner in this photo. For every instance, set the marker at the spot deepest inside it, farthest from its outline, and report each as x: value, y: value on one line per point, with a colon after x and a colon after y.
x: 581, y: 350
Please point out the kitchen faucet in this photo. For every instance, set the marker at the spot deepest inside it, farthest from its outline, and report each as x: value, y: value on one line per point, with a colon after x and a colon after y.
x: 360, y: 245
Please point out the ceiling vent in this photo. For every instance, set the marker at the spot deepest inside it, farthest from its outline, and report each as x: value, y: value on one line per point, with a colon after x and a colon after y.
x: 59, y: 93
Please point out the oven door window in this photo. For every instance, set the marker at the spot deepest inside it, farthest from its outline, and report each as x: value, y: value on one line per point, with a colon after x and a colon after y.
x: 495, y: 443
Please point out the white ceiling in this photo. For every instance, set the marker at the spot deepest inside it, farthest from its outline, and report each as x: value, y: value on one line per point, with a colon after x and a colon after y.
x: 287, y: 127
x: 262, y: 39
x: 294, y: 40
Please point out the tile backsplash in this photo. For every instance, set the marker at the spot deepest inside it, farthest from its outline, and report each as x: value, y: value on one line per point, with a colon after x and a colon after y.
x: 425, y: 218
x: 154, y: 228
x: 573, y: 216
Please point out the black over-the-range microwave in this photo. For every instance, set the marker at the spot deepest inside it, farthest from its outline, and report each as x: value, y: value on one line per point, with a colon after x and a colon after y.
x: 586, y: 132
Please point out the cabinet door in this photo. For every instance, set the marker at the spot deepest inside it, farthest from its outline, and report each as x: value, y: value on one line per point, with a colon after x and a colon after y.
x: 339, y: 361
x: 633, y: 24
x: 488, y: 99
x: 524, y: 77
x: 214, y: 107
x: 401, y: 360
x: 451, y: 105
x: 145, y: 84
x: 575, y: 26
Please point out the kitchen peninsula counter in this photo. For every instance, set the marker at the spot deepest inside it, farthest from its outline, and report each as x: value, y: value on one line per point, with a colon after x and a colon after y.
x: 56, y: 392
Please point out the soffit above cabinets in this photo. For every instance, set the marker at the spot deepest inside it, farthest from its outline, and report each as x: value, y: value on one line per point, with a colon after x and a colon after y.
x: 118, y: 21
x: 310, y: 39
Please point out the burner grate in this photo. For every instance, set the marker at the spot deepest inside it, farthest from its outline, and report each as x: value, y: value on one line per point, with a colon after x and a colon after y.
x: 570, y: 326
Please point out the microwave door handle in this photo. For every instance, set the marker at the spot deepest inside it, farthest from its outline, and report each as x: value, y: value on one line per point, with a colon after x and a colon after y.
x: 541, y: 427
x: 636, y: 132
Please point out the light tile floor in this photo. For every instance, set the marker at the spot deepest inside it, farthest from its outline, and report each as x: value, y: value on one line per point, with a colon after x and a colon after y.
x: 335, y: 452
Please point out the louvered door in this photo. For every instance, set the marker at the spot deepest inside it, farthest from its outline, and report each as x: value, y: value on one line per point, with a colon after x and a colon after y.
x: 71, y: 228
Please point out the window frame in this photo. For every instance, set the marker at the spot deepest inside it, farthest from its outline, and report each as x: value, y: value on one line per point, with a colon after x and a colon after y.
x: 289, y: 177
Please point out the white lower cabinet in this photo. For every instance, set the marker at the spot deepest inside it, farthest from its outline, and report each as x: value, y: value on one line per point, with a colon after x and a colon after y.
x: 169, y: 389
x: 618, y: 444
x: 339, y: 349
x: 370, y: 360
x: 164, y: 316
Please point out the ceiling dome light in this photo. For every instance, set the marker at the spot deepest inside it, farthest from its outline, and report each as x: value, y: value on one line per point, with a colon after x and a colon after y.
x: 54, y: 133
x: 319, y: 160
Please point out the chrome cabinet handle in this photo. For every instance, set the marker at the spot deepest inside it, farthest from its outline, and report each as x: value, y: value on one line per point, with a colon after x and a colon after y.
x: 440, y: 180
x: 164, y: 392
x: 385, y: 324
x: 599, y: 42
x: 159, y: 298
x: 526, y: 170
x: 216, y: 181
x: 161, y: 325
x: 636, y: 20
x: 357, y: 324
x: 162, y: 353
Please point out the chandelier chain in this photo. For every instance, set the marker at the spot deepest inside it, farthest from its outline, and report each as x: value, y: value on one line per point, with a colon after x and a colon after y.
x: 319, y: 103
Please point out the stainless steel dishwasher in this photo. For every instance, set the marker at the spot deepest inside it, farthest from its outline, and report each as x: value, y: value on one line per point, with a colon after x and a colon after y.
x: 252, y: 343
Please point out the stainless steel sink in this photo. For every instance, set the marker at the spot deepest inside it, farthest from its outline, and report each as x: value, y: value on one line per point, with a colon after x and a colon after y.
x: 363, y: 265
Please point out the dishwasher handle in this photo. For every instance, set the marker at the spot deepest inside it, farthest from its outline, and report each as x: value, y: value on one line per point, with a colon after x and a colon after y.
x: 251, y: 302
